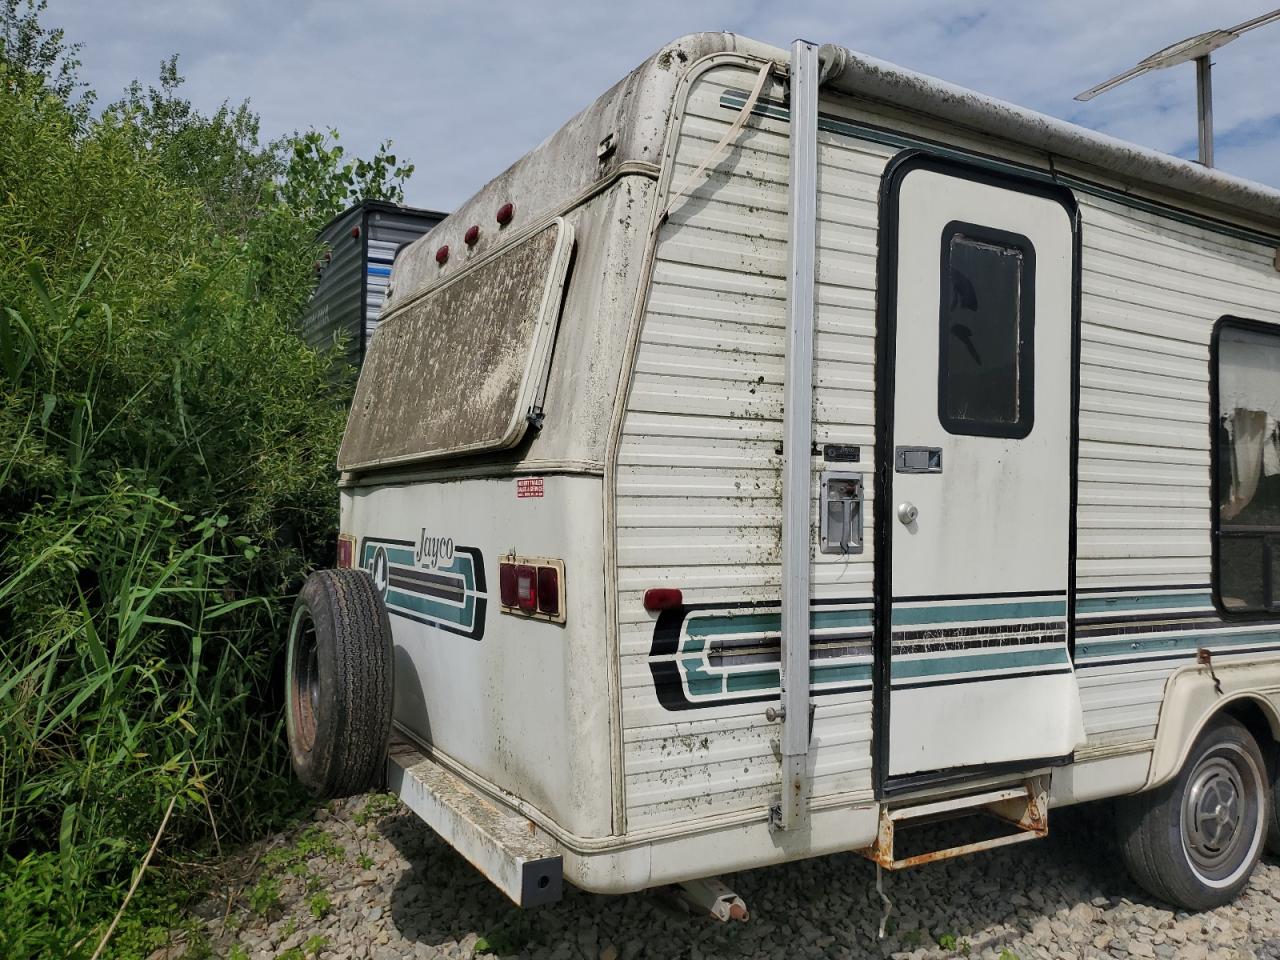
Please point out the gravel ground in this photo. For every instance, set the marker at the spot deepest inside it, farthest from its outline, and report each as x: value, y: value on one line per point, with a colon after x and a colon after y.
x: 366, y: 879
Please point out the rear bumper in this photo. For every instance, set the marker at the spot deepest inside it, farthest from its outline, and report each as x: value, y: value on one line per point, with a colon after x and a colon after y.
x: 504, y: 846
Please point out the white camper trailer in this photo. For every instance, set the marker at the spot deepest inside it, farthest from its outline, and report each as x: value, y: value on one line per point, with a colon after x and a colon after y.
x: 792, y: 449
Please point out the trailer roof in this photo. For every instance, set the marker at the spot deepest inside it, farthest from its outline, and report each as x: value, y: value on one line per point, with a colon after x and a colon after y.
x: 635, y: 112
x: 863, y: 76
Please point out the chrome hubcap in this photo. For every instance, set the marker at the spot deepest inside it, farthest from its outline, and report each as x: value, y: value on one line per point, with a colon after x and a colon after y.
x: 1217, y: 813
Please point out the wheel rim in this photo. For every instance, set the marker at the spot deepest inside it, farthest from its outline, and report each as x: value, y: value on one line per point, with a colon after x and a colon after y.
x: 1221, y: 816
x: 304, y: 700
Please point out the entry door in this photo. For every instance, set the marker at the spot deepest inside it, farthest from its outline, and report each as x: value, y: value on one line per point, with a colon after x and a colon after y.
x: 980, y: 485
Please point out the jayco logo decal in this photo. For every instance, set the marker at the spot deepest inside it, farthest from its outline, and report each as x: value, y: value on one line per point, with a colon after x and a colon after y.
x: 429, y: 580
x: 433, y: 551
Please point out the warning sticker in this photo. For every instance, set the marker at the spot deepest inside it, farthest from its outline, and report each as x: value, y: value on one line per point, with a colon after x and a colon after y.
x: 528, y: 487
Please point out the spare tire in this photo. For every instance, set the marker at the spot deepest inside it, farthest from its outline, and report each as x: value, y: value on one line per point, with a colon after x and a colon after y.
x: 338, y: 683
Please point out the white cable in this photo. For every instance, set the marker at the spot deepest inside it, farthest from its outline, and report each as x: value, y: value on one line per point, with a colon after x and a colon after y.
x: 728, y: 137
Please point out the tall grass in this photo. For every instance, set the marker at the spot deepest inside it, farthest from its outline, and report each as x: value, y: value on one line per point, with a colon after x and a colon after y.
x: 166, y: 480
x: 136, y: 668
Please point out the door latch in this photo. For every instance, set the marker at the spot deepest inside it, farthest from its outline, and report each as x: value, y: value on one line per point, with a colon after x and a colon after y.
x: 840, y: 528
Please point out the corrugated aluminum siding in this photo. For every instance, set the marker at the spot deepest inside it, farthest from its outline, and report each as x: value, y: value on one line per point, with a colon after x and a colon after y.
x: 387, y: 232
x: 698, y: 479
x: 353, y: 282
x: 1152, y: 290
x: 698, y: 469
x: 333, y: 315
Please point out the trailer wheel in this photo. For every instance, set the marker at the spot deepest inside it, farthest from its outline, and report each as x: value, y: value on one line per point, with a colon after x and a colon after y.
x: 338, y: 683
x: 1195, y: 840
x: 1273, y: 821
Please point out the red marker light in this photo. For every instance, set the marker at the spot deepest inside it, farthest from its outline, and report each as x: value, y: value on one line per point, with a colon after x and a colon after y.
x: 346, y: 551
x: 442, y: 254
x: 355, y: 232
x: 472, y: 235
x: 505, y: 213
x: 662, y: 598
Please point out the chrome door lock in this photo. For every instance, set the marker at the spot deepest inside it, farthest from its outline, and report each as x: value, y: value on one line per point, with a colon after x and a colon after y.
x: 907, y: 512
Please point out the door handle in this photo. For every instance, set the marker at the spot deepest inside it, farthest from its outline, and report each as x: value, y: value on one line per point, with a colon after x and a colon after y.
x: 907, y: 512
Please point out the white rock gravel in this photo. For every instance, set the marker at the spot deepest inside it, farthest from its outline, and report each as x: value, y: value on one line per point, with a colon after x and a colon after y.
x: 414, y: 897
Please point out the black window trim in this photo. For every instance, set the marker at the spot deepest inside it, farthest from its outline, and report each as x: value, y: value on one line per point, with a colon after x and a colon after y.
x: 1021, y: 428
x: 1230, y: 321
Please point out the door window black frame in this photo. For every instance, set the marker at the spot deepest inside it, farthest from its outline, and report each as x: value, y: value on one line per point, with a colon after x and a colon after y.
x: 1025, y: 351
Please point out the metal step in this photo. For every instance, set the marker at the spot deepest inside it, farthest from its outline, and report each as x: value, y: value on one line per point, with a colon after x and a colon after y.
x: 1023, y: 806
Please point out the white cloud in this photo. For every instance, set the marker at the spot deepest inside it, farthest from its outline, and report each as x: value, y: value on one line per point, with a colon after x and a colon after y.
x: 465, y: 89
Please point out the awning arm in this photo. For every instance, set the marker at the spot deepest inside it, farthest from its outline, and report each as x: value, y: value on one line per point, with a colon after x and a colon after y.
x: 797, y: 434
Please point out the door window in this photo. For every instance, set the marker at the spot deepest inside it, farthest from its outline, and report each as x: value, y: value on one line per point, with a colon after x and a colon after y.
x: 987, y: 319
x: 1246, y: 462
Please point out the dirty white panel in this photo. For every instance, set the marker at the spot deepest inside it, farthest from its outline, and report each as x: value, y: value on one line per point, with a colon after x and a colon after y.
x: 1152, y: 289
x: 698, y: 480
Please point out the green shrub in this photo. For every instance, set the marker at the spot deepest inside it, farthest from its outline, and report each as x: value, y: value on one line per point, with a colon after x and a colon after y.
x: 166, y: 449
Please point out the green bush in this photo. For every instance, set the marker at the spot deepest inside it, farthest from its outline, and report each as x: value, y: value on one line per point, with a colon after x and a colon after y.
x: 166, y: 479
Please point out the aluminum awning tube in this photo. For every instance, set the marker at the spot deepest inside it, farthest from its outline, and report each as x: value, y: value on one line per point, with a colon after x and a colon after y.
x: 862, y: 76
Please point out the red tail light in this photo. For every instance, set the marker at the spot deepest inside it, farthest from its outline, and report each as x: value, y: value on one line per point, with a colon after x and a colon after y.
x: 346, y: 551
x: 662, y: 598
x: 532, y: 587
x: 549, y: 591
x: 507, y: 584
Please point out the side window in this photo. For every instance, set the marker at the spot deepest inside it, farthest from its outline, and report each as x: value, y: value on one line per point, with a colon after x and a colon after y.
x: 1246, y: 465
x: 987, y: 324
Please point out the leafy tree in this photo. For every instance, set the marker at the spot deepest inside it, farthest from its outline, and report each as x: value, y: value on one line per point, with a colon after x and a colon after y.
x: 43, y: 53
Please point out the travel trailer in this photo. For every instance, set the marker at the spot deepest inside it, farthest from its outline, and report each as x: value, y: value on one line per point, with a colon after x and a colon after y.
x: 358, y: 248
x: 794, y: 449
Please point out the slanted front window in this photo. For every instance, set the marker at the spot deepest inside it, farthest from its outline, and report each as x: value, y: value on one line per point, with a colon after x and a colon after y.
x: 1246, y: 464
x: 987, y: 318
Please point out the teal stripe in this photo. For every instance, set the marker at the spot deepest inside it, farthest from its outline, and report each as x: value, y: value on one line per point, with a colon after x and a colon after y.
x: 754, y: 680
x: 840, y: 673
x: 700, y: 682
x: 904, y: 668
x: 1188, y: 642
x: 736, y: 99
x: 719, y: 625
x: 1172, y: 601
x: 704, y: 683
x: 951, y: 613
x: 394, y: 554
x: 701, y: 627
x: 460, y: 616
x: 462, y: 564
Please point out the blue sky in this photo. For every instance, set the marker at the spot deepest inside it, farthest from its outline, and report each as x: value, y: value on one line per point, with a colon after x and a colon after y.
x: 464, y: 89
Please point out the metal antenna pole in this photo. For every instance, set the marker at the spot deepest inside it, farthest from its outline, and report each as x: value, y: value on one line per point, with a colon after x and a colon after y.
x: 1204, y: 107
x: 1198, y: 48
